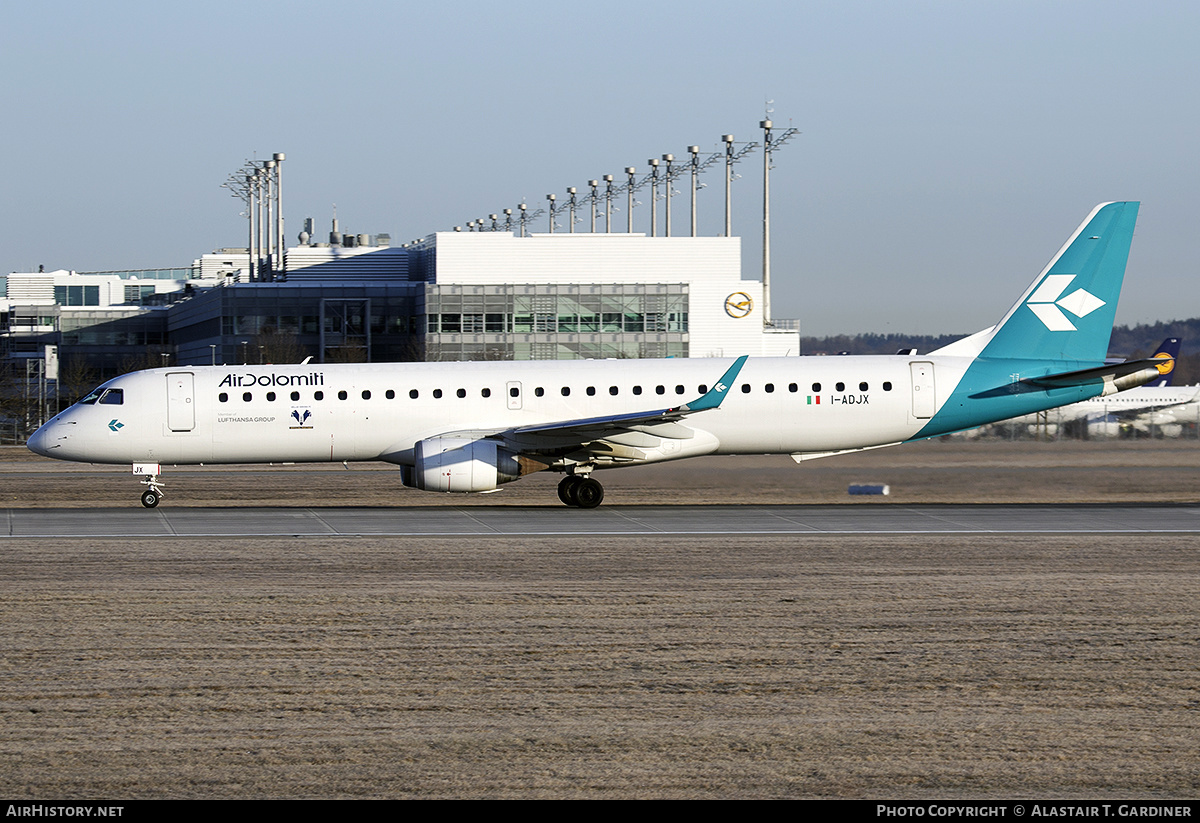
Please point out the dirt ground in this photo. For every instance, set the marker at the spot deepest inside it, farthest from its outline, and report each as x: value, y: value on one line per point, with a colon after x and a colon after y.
x: 787, y: 666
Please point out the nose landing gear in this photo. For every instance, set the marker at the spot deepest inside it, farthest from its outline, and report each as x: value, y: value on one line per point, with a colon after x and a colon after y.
x: 153, y: 492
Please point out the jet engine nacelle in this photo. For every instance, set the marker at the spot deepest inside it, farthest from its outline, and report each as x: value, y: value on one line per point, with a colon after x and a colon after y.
x: 461, y: 464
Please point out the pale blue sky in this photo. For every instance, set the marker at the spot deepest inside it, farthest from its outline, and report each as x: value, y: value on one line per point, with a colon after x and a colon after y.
x: 948, y: 148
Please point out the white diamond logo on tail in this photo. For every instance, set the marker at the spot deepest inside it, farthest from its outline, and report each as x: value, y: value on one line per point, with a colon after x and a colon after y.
x: 1052, y: 317
x: 1081, y: 303
x: 1051, y: 288
x: 1045, y: 304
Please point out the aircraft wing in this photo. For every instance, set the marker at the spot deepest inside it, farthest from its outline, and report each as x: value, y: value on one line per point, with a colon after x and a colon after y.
x: 566, y: 433
x: 616, y: 438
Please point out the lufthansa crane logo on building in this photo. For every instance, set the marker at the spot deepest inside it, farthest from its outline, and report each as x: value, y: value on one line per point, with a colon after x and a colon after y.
x: 739, y: 304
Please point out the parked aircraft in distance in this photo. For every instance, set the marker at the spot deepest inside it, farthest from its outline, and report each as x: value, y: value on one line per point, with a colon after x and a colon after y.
x: 1156, y: 405
x: 472, y: 426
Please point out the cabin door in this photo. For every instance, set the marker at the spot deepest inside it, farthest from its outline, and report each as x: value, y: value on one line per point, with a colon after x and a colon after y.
x: 924, y: 397
x: 181, y: 408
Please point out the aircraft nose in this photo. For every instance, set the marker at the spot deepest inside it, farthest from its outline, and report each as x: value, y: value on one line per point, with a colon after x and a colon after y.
x: 37, y: 442
x: 46, y: 440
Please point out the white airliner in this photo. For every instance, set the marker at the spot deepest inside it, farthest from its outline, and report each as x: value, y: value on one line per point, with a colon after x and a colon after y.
x: 1156, y: 405
x: 1145, y: 408
x: 469, y: 427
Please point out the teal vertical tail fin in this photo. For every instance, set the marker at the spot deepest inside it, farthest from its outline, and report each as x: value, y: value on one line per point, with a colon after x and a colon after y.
x: 1049, y: 350
x: 1067, y: 312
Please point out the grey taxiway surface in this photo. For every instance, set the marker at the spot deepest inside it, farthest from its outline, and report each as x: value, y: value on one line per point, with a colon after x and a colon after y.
x: 699, y: 635
x: 608, y: 520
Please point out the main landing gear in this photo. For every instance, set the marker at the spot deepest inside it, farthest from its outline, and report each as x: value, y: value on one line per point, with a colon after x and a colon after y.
x: 580, y: 491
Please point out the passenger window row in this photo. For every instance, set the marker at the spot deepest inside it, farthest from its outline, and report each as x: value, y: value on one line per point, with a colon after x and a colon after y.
x: 539, y: 391
x: 864, y: 386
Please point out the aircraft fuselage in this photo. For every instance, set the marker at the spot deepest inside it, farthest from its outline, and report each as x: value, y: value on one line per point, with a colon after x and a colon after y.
x: 337, y: 412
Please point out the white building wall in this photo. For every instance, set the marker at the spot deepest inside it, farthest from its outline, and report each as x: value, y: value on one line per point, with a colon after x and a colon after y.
x: 221, y: 264
x: 37, y: 288
x: 357, y: 262
x: 711, y: 266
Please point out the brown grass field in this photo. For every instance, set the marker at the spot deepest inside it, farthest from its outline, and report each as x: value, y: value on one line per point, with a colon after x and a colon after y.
x: 933, y: 667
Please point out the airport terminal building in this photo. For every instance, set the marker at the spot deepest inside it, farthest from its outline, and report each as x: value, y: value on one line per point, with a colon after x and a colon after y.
x: 449, y: 296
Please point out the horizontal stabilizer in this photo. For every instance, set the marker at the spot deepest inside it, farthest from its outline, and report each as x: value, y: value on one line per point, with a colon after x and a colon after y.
x: 1115, y: 377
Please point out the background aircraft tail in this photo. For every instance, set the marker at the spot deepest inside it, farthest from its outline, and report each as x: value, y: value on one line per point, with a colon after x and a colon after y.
x: 1167, y: 350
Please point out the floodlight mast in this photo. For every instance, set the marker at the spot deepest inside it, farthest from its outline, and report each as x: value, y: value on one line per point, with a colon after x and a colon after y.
x: 279, y: 157
x: 695, y: 166
x: 769, y: 145
x: 668, y: 178
x: 653, y: 161
x: 260, y: 178
x: 629, y: 187
x: 260, y: 228
x: 766, y: 227
x: 250, y: 214
x: 260, y: 241
x: 608, y: 196
x: 732, y: 156
x: 242, y: 185
x: 728, y: 140
x: 269, y: 165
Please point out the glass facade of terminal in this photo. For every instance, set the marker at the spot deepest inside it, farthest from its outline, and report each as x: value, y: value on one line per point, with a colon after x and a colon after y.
x: 77, y: 295
x: 555, y: 321
x: 426, y: 321
x: 286, y: 322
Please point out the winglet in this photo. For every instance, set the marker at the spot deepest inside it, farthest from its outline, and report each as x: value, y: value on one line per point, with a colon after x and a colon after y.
x: 716, y: 394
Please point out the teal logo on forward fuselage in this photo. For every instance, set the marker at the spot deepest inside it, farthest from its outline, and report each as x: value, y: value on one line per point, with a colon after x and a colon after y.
x: 115, y: 424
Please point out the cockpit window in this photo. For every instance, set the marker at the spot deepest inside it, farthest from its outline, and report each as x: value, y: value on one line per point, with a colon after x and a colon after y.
x: 92, y: 397
x: 112, y: 397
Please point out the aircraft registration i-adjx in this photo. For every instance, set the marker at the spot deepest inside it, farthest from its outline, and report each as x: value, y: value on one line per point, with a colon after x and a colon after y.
x: 472, y: 426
